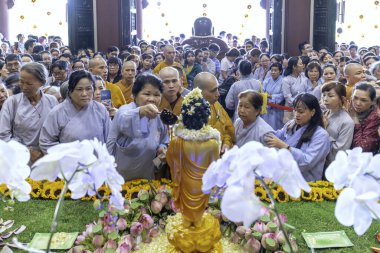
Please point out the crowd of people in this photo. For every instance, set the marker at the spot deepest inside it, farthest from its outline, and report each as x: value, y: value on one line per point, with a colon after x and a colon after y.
x: 313, y: 104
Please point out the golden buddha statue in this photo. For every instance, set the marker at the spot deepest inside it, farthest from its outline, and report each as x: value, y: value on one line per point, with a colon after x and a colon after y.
x: 194, y: 146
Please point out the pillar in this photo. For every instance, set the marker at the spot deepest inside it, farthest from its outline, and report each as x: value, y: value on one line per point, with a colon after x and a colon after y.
x: 139, y: 19
x: 4, y: 22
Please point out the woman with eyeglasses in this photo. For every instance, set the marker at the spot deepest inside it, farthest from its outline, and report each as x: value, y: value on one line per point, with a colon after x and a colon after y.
x: 59, y: 71
x: 23, y: 114
x: 79, y: 117
x: 262, y: 71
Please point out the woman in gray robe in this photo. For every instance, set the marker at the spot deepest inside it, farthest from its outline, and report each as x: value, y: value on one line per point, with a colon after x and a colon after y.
x: 250, y: 126
x: 22, y: 115
x: 137, y: 134
x: 79, y: 117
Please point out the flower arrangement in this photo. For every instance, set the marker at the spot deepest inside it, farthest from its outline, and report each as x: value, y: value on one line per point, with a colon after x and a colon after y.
x: 140, y: 220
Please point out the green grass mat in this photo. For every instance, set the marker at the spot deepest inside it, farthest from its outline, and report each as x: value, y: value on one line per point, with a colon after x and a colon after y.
x: 36, y: 215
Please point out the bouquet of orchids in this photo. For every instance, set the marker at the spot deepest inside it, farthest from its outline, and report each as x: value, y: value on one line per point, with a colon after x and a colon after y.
x: 237, y: 170
x: 85, y: 166
x: 359, y: 173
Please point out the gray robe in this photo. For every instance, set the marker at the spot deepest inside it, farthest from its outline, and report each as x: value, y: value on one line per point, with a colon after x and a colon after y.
x: 65, y: 124
x: 341, y: 131
x: 255, y: 132
x: 134, y: 142
x: 21, y: 121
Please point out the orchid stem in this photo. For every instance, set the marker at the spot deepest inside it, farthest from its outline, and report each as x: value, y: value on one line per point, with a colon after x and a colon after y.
x: 275, y: 210
x: 54, y: 224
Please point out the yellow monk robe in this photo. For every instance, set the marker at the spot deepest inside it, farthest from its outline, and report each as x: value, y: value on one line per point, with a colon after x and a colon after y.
x: 127, y: 91
x: 349, y: 90
x: 117, y: 97
x: 188, y: 161
x: 220, y: 120
x: 164, y: 64
x: 166, y: 105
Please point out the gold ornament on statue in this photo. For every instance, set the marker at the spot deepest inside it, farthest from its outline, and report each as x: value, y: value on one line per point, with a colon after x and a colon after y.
x: 34, y: 26
x: 33, y: 1
x: 204, y: 5
x: 22, y: 17
x: 349, y: 26
x: 166, y: 23
x: 48, y: 13
x: 376, y: 3
x: 60, y: 23
x: 361, y: 16
x: 249, y: 6
x: 204, y: 14
x: 246, y: 15
x: 162, y: 14
x: 376, y: 26
x: 362, y: 36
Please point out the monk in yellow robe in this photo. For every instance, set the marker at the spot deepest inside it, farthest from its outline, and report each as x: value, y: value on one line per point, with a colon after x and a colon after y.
x: 169, y: 53
x: 171, y: 97
x: 219, y: 118
x: 98, y: 66
x: 128, y: 74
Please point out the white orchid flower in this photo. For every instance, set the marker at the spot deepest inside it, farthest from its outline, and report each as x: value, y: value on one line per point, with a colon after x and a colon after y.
x: 82, y: 184
x: 14, y: 169
x: 353, y: 209
x: 238, y: 205
x: 288, y: 174
x: 117, y: 199
x: 347, y: 166
x: 63, y: 158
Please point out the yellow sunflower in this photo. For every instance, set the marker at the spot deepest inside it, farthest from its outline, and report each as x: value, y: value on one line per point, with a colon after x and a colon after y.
x: 4, y: 189
x: 318, y: 195
x: 46, y: 190
x: 328, y: 193
x: 104, y: 191
x: 307, y: 195
x: 282, y: 196
x: 261, y: 193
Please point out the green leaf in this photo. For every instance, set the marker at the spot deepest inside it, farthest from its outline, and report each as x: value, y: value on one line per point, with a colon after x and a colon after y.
x: 257, y: 235
x: 289, y: 228
x: 102, y: 213
x: 286, y: 248
x: 114, y: 235
x: 97, y: 228
x: 135, y: 205
x: 110, y: 251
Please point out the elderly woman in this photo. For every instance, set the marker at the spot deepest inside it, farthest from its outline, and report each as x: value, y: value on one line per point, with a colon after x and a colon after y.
x: 3, y: 94
x: 137, y: 134
x: 22, y: 115
x: 78, y: 117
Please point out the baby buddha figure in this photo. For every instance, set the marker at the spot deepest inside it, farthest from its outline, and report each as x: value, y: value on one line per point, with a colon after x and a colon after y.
x: 194, y: 146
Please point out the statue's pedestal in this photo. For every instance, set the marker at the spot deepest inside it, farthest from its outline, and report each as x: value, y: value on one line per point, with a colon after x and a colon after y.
x: 205, y: 238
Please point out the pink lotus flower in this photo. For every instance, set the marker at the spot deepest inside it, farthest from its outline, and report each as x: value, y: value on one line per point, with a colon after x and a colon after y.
x: 280, y: 237
x: 124, y: 248
x: 110, y: 244
x: 156, y: 206
x: 240, y: 231
x: 259, y: 227
x: 80, y: 239
x: 109, y: 229
x: 248, y: 234
x: 136, y: 228
x: 153, y: 232
x: 143, y: 195
x: 121, y: 224
x: 100, y: 250
x: 282, y: 218
x: 269, y: 241
x: 235, y: 238
x: 77, y: 249
x: 172, y: 206
x: 98, y: 241
x: 146, y: 221
x: 162, y: 197
x: 143, y: 210
x: 252, y: 246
